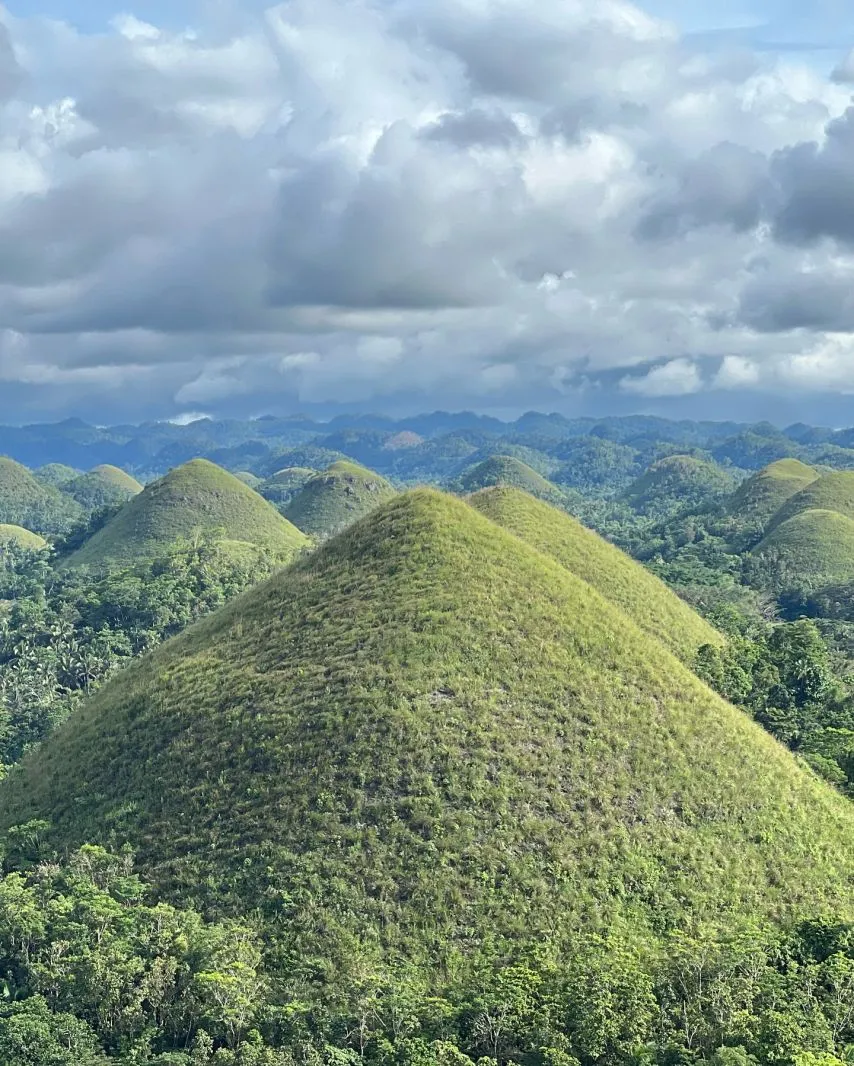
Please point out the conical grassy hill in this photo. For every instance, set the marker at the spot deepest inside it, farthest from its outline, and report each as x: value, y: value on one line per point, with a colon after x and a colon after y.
x: 18, y: 537
x: 762, y: 495
x: 507, y: 470
x: 678, y: 481
x: 830, y: 492
x: 27, y: 502
x: 196, y: 497
x: 103, y: 486
x: 334, y: 499
x: 810, y: 550
x: 626, y: 583
x: 432, y: 738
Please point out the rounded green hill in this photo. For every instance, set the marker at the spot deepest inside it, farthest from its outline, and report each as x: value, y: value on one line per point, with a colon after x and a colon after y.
x: 428, y: 736
x: 676, y: 482
x: 18, y: 537
x: 830, y: 492
x: 103, y: 486
x: 337, y: 497
x: 809, y: 550
x: 762, y: 495
x: 626, y: 583
x: 507, y: 470
x: 196, y: 497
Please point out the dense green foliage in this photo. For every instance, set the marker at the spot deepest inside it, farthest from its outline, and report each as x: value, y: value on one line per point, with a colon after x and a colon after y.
x: 63, y: 633
x: 678, y: 482
x: 193, y: 499
x: 332, y: 500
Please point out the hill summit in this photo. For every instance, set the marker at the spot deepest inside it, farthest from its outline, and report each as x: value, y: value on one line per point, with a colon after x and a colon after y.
x: 196, y: 497
x: 507, y: 470
x: 677, y: 482
x: 332, y: 500
x: 428, y: 737
x: 626, y: 583
x: 103, y: 486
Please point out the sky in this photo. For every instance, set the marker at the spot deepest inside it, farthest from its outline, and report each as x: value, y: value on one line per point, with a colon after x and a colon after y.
x: 585, y: 206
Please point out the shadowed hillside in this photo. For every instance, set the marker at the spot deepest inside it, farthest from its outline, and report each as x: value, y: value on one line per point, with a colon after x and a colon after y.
x: 430, y: 736
x: 644, y: 598
x: 195, y: 497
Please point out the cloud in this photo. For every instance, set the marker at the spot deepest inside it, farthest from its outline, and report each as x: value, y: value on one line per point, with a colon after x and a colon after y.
x: 679, y: 377
x: 455, y: 202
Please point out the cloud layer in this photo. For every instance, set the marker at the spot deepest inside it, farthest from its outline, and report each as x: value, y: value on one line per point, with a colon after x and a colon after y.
x: 496, y: 203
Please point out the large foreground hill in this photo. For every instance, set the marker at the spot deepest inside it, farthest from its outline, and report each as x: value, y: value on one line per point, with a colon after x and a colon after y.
x: 430, y: 736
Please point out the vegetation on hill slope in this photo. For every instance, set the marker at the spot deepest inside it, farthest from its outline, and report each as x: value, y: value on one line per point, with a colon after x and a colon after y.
x: 762, y: 495
x: 678, y: 482
x: 507, y: 470
x: 428, y: 740
x: 56, y: 474
x: 808, y: 551
x: 830, y: 492
x: 194, y: 498
x: 21, y: 538
x: 643, y: 597
x: 27, y: 502
x: 337, y: 497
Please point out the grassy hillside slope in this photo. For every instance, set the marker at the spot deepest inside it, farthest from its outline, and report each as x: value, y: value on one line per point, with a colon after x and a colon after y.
x: 830, y: 492
x: 334, y: 499
x: 810, y: 550
x: 431, y: 737
x: 762, y: 495
x: 19, y: 537
x: 676, y: 482
x: 626, y: 583
x: 194, y: 497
